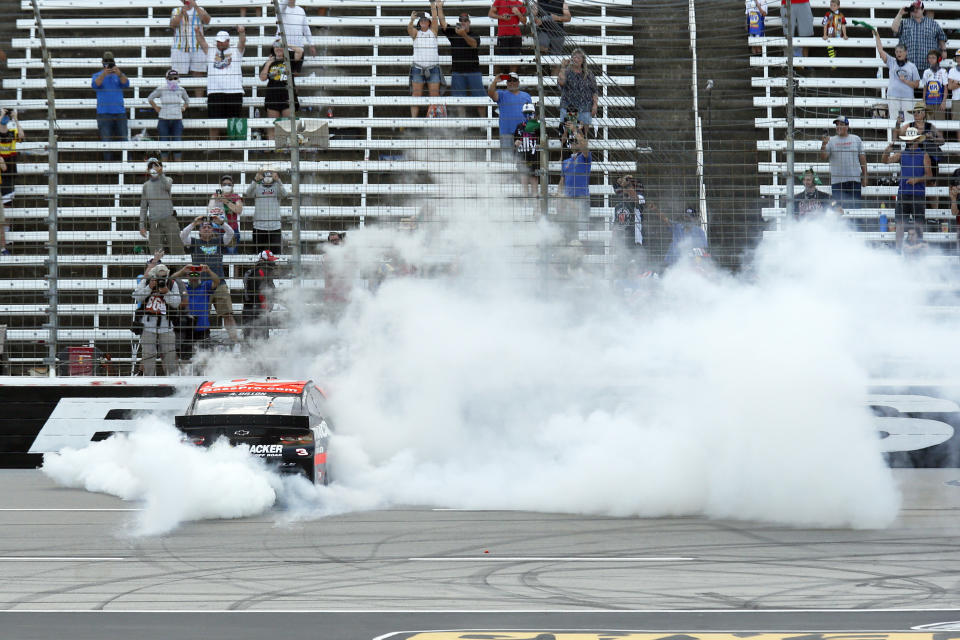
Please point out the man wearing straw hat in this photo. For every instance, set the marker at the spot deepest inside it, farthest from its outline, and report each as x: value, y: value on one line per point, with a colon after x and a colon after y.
x: 915, y: 170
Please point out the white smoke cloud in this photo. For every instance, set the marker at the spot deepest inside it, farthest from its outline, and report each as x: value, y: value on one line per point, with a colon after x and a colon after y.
x: 719, y: 396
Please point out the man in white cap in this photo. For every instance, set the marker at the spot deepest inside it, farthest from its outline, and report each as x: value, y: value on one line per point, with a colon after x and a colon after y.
x: 848, y: 164
x: 915, y: 170
x: 953, y: 84
x: 185, y: 53
x: 159, y: 295
x: 224, y: 76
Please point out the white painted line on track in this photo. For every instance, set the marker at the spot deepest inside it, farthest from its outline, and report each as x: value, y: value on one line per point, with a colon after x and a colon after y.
x: 58, y: 559
x: 30, y: 509
x: 718, y: 612
x: 546, y: 559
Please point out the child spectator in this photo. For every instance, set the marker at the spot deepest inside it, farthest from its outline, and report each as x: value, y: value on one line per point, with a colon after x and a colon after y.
x: 934, y: 83
x: 578, y: 86
x: 426, y: 56
x: 274, y: 71
x: 510, y: 15
x: 225, y: 202
x: 834, y: 24
x: 509, y: 103
x: 109, y: 84
x: 266, y: 190
x: 526, y: 140
x: 466, y: 79
x: 904, y: 78
x: 173, y: 102
x: 756, y: 11
x: 185, y: 53
x: 568, y: 130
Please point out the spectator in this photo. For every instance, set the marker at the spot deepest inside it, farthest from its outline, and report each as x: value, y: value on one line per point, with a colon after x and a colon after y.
x: 258, y: 291
x: 568, y: 130
x: 834, y: 23
x: 229, y: 205
x: 266, y: 190
x: 4, y: 251
x: 578, y: 86
x: 811, y: 201
x: 109, y: 84
x: 157, y: 221
x: 801, y: 22
x: 575, y: 185
x: 208, y: 250
x: 848, y: 164
x: 10, y: 134
x: 173, y: 102
x: 904, y: 78
x: 526, y: 140
x: 915, y: 170
x: 158, y: 295
x: 932, y: 142
x: 274, y: 71
x: 509, y: 103
x: 298, y: 34
x: 510, y: 15
x: 919, y: 35
x: 954, y: 192
x: 224, y: 76
x: 426, y: 56
x: 628, y: 217
x: 185, y: 53
x: 687, y: 236
x: 953, y: 84
x: 466, y: 80
x: 756, y: 11
x: 201, y: 282
x: 913, y: 244
x: 934, y: 83
x: 549, y: 17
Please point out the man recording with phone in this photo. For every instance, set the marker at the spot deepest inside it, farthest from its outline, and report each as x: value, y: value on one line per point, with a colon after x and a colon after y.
x: 109, y: 84
x: 159, y: 295
x: 201, y: 283
x: 207, y: 250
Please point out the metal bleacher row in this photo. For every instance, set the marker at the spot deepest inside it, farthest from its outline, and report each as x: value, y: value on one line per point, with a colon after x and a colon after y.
x: 379, y: 167
x: 852, y: 82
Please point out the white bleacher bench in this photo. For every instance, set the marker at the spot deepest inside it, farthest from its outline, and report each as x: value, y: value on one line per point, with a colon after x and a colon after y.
x: 818, y: 61
x: 137, y: 260
x: 79, y: 309
x: 320, y: 61
x: 866, y: 42
x: 166, y: 6
x: 188, y: 213
x: 873, y: 168
x: 772, y: 213
x: 250, y: 22
x: 253, y: 41
x: 868, y: 192
x: 845, y: 102
x: 855, y: 123
x: 933, y: 237
x: 822, y: 83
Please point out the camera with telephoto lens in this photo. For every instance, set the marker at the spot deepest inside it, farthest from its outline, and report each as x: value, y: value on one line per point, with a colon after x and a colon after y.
x: 162, y: 283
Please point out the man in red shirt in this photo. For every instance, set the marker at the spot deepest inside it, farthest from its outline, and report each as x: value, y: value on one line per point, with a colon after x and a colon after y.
x: 801, y: 21
x: 510, y: 14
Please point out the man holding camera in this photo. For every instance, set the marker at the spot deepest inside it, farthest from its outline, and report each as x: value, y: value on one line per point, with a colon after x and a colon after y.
x: 157, y: 218
x: 159, y: 295
x: 208, y: 250
x: 109, y: 84
x: 919, y: 35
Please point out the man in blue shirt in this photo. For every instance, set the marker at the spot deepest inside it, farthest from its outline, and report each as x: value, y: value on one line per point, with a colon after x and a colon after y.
x: 915, y: 169
x: 201, y: 283
x: 688, y: 236
x: 574, y: 210
x: 109, y: 84
x: 510, y: 104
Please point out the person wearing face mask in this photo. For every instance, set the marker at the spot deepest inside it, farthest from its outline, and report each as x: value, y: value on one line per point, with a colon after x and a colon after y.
x: 904, y: 79
x: 229, y: 204
x: 224, y: 76
x: 267, y: 189
x: 157, y: 220
x: 173, y: 102
x: 934, y: 83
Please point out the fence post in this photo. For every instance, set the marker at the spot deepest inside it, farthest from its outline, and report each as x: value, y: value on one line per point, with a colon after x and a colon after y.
x: 53, y: 324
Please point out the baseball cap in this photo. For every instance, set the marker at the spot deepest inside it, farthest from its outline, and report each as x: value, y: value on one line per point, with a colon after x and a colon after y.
x: 957, y: 53
x: 528, y: 108
x: 513, y: 76
x: 426, y: 15
x: 267, y: 256
x: 223, y: 36
x: 159, y: 271
x: 172, y: 73
x: 153, y: 161
x: 691, y: 211
x: 916, y: 5
x: 841, y: 120
x: 108, y: 55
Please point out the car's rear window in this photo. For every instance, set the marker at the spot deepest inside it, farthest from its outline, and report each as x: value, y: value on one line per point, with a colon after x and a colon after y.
x: 248, y: 403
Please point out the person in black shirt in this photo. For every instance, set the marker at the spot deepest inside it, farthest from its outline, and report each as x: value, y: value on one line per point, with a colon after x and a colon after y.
x: 811, y: 201
x: 258, y: 292
x: 467, y: 80
x: 274, y: 72
x: 550, y: 16
x: 526, y: 141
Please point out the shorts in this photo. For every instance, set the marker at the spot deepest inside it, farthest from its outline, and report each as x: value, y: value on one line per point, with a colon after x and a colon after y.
x: 224, y: 105
x: 508, y: 46
x: 528, y: 168
x: 9, y: 177
x: 896, y: 106
x: 186, y: 61
x: 277, y: 99
x: 801, y: 20
x: 296, y: 65
x: 221, y: 300
x: 551, y: 40
x: 465, y: 85
x: 421, y: 75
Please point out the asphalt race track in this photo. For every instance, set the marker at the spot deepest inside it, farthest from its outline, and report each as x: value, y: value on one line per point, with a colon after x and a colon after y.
x: 70, y: 571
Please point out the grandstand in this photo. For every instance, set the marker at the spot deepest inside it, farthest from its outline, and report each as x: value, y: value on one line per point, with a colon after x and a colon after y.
x: 381, y: 168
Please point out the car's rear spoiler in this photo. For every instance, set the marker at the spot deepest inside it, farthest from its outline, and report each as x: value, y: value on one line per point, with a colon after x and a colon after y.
x: 234, y: 419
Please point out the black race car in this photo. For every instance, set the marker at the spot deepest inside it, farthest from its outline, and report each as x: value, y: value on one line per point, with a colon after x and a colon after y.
x: 283, y: 421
